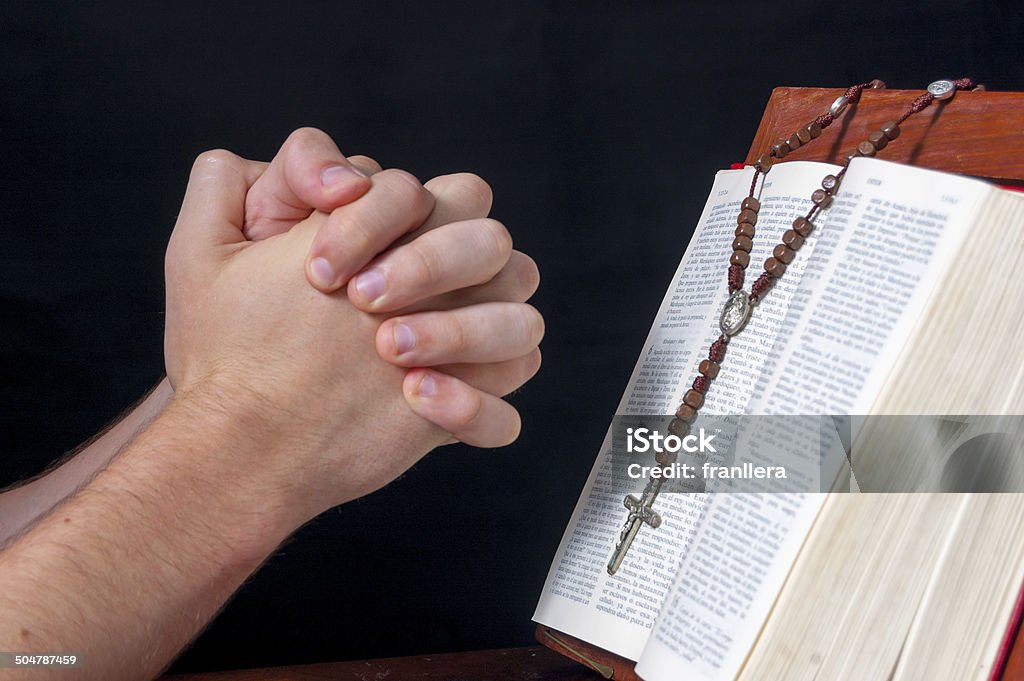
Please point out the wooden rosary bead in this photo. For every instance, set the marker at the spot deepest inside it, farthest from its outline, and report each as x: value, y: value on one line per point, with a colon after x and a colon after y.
x: 780, y: 149
x: 821, y: 198
x: 739, y: 258
x: 804, y: 135
x: 764, y: 163
x: 792, y: 239
x: 891, y: 130
x: 716, y: 353
x: 803, y: 227
x: 665, y: 457
x: 774, y: 267
x: 742, y: 243
x: 761, y: 286
x: 750, y: 203
x: 814, y: 129
x: 745, y: 229
x: 784, y: 253
x: 795, y: 143
x: 878, y: 139
x: 686, y: 413
x: 694, y: 399
x: 830, y: 183
x: 709, y: 368
x: 679, y: 428
x: 866, y: 149
x: 748, y: 216
x: 701, y: 384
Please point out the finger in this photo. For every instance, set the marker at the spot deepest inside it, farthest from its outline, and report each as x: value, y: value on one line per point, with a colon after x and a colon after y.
x: 309, y: 172
x: 356, y: 233
x: 515, y: 283
x: 497, y: 378
x: 489, y: 332
x: 457, y: 197
x: 460, y: 196
x: 474, y: 417
x: 366, y: 164
x: 213, y: 210
x: 446, y: 259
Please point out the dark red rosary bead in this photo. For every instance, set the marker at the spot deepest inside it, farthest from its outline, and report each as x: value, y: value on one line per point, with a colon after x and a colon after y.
x: 701, y: 384
x: 761, y: 286
x: 736, y: 276
x: 717, y: 351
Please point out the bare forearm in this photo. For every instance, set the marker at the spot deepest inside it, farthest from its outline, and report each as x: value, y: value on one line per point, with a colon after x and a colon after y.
x: 132, y: 567
x: 22, y: 506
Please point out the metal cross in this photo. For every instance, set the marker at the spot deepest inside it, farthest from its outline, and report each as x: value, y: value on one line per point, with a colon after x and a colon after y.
x: 640, y: 513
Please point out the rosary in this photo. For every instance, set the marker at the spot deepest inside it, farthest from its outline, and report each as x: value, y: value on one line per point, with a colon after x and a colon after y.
x: 740, y: 304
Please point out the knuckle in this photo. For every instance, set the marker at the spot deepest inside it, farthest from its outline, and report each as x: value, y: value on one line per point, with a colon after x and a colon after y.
x: 458, y: 336
x: 214, y: 158
x: 347, y: 232
x: 357, y: 235
x: 500, y: 239
x: 304, y: 153
x: 467, y: 413
x: 477, y: 190
x: 306, y: 136
x: 533, y: 322
x: 528, y: 274
x: 366, y: 162
x: 512, y: 427
x: 524, y: 277
x: 533, y: 363
x: 172, y: 261
x: 425, y: 265
x: 403, y: 185
x: 525, y: 368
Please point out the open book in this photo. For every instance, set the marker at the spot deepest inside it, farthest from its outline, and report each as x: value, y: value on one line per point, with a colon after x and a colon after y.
x: 906, y: 299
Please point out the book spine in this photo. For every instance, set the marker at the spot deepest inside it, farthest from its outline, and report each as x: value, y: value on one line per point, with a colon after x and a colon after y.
x: 1013, y: 629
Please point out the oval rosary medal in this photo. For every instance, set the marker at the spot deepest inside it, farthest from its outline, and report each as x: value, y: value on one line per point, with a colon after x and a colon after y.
x: 735, y: 313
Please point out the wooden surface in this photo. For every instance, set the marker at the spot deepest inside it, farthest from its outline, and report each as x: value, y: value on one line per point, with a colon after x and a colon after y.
x: 622, y: 669
x: 508, y: 664
x: 609, y: 665
x: 975, y: 133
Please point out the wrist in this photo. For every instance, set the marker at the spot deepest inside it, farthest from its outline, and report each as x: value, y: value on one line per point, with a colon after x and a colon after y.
x: 232, y: 452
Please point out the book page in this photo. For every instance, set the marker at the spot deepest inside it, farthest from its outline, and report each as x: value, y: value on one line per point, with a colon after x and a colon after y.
x: 880, y: 252
x: 579, y: 597
x: 836, y: 322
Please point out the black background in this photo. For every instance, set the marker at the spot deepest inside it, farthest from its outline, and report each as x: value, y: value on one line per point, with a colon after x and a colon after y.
x: 599, y: 126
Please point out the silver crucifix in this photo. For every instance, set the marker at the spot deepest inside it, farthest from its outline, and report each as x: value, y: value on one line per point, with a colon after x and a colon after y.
x: 640, y: 513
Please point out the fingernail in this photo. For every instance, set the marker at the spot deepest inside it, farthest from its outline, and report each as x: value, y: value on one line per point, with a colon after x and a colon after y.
x: 334, y: 175
x: 370, y: 285
x: 427, y: 386
x: 405, y: 338
x: 322, y: 272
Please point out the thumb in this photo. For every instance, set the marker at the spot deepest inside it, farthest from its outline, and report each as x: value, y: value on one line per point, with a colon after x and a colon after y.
x: 309, y: 172
x: 213, y: 209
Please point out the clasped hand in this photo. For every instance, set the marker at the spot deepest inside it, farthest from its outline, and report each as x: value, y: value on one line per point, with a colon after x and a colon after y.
x: 354, y: 317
